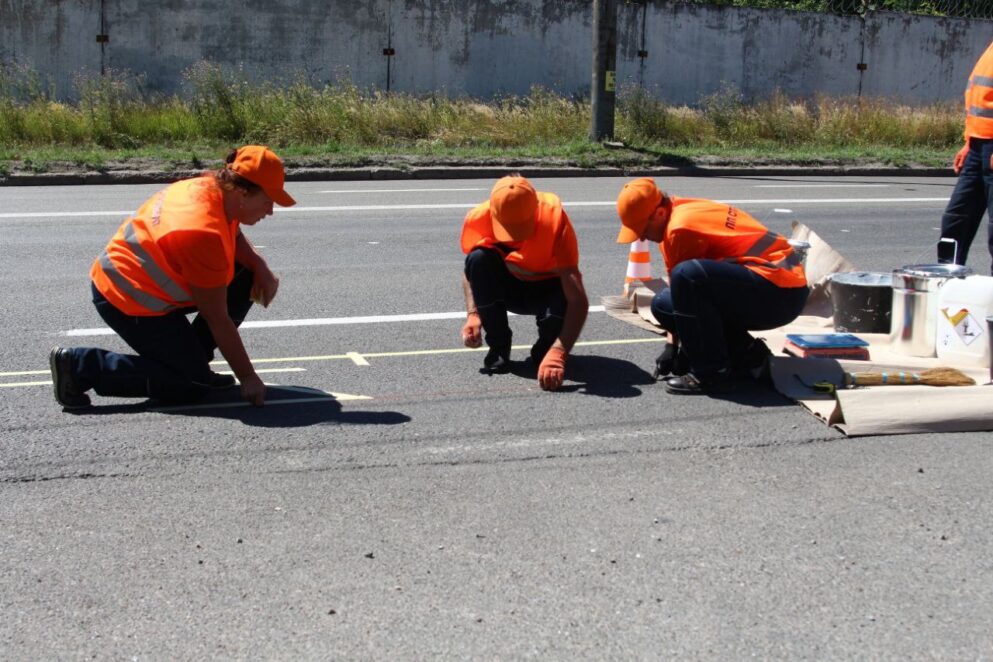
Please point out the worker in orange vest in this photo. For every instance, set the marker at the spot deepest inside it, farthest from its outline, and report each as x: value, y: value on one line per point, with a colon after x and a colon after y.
x: 973, y: 194
x: 728, y: 275
x: 182, y: 252
x: 522, y: 256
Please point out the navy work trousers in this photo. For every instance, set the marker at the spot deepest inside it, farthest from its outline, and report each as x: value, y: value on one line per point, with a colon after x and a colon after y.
x: 971, y: 199
x: 711, y: 305
x: 496, y: 291
x: 174, y: 354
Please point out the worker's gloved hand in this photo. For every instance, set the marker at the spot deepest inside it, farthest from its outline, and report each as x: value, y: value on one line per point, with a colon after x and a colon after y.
x: 472, y: 335
x: 551, y: 372
x: 665, y: 361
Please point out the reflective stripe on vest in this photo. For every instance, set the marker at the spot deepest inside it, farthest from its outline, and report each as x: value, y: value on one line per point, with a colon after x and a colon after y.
x: 985, y: 81
x: 761, y: 245
x: 150, y: 267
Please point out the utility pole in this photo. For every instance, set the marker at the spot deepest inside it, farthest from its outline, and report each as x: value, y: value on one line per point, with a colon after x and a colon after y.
x: 602, y: 92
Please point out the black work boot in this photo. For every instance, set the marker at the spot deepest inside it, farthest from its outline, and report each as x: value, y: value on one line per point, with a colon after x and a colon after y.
x: 497, y: 360
x: 68, y: 393
x: 690, y: 384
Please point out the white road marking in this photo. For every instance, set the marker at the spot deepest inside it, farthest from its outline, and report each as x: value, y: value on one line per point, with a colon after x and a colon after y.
x: 268, y: 370
x: 568, y: 204
x: 15, y: 384
x: 357, y: 358
x: 822, y: 185
x: 49, y: 382
x: 323, y: 321
x: 337, y: 397
x: 405, y: 190
x: 783, y: 211
x: 348, y: 356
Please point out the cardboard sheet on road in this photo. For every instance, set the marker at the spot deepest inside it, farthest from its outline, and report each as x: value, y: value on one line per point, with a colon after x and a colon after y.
x: 863, y: 411
x: 873, y: 410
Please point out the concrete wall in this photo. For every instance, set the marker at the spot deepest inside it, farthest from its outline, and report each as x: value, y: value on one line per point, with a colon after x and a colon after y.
x: 484, y: 48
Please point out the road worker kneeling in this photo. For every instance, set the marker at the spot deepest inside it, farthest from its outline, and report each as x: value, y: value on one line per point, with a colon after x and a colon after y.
x: 522, y: 256
x: 728, y: 275
x: 182, y: 252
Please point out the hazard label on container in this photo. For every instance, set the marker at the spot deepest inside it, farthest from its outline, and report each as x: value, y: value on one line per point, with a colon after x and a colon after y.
x: 966, y: 327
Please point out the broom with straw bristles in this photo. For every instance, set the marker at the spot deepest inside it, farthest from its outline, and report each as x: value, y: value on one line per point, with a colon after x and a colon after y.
x: 929, y: 377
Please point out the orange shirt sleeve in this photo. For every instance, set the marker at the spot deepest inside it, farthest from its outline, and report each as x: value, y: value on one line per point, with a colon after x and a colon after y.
x: 199, y: 256
x: 566, y: 245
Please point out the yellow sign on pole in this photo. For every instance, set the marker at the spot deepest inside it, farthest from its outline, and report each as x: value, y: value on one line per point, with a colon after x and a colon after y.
x: 610, y: 81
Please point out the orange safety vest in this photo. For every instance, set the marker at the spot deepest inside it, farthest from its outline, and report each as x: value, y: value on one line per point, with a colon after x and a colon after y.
x: 704, y: 229
x: 979, y: 98
x: 547, y: 253
x: 136, y: 272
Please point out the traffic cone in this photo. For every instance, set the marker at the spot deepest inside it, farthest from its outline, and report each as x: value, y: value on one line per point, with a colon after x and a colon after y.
x: 639, y: 266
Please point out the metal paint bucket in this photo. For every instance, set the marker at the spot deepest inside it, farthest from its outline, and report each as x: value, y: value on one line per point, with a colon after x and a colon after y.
x: 862, y: 301
x: 914, y: 316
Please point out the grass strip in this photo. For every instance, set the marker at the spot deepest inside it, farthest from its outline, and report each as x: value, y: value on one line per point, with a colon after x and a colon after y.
x: 116, y: 122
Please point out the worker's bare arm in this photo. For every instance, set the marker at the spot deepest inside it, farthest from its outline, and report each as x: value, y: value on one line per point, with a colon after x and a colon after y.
x: 212, y: 304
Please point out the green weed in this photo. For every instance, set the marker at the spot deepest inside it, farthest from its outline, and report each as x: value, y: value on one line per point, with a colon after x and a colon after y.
x: 115, y: 116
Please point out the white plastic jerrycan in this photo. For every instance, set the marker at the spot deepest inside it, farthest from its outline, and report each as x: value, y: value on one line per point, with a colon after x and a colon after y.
x: 963, y: 306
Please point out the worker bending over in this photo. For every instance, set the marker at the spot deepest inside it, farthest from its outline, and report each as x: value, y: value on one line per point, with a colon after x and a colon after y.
x: 973, y: 194
x: 728, y: 275
x: 522, y: 256
x: 182, y: 252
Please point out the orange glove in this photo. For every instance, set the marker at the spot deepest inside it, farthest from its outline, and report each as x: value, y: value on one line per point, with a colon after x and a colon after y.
x: 551, y: 372
x: 472, y: 331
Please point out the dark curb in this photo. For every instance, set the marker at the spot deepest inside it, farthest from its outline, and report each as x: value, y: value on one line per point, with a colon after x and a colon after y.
x: 478, y: 172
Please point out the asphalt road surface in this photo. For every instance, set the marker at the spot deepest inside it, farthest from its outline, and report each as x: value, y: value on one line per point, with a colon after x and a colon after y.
x: 430, y: 511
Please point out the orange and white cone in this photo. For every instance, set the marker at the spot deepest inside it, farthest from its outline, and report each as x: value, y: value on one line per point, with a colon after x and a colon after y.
x: 639, y: 266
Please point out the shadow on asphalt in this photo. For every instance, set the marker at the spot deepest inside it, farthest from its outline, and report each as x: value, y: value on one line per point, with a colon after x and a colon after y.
x: 614, y: 378
x: 600, y: 376
x: 285, y: 408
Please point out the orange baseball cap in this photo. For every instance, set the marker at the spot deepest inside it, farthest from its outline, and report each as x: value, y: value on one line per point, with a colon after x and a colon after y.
x: 513, y: 209
x: 635, y: 205
x: 262, y: 167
